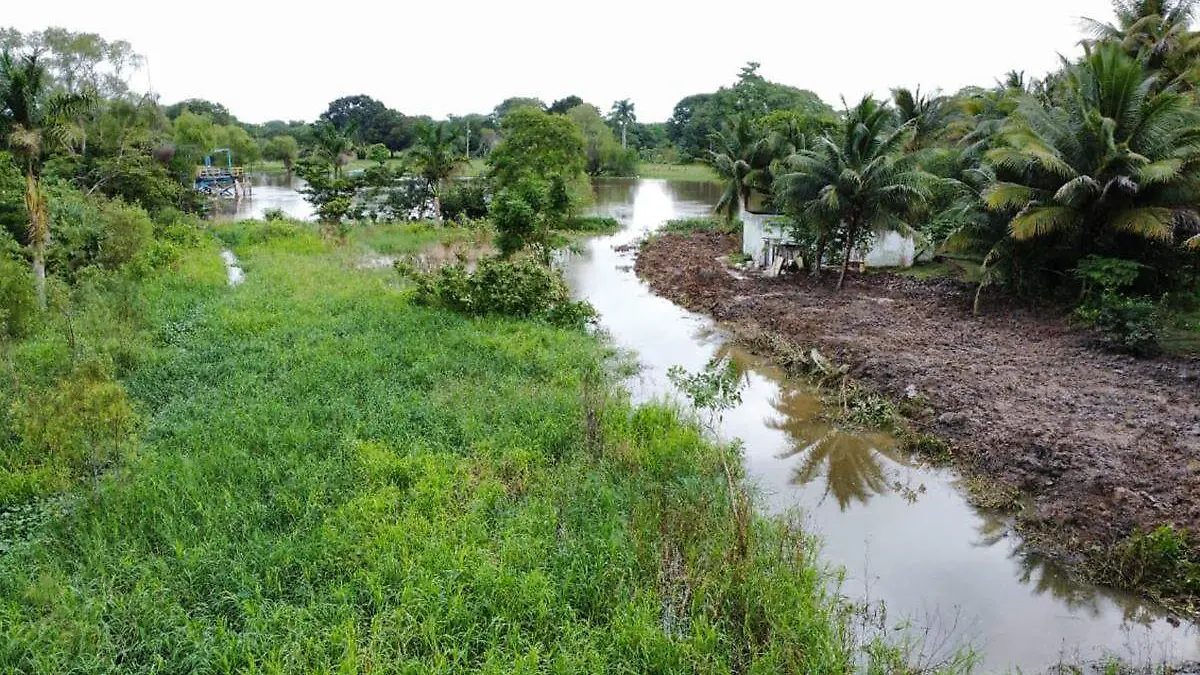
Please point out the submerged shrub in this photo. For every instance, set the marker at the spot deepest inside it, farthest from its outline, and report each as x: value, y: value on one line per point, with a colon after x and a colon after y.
x: 517, y: 288
x: 273, y: 214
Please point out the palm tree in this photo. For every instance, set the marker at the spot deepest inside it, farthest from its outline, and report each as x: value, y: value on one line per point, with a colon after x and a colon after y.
x: 740, y: 157
x: 1156, y: 31
x: 1114, y: 160
x: 622, y: 115
x: 33, y: 119
x: 856, y: 181
x: 436, y: 158
x: 333, y: 145
x: 928, y: 114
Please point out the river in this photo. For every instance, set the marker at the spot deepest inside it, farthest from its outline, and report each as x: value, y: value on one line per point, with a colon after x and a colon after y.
x: 903, y: 532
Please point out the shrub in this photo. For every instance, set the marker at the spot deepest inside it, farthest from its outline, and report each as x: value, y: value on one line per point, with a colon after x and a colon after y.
x: 516, y: 288
x: 1124, y: 323
x: 126, y: 230
x: 465, y: 200
x: 273, y: 214
x: 17, y: 300
x: 84, y: 422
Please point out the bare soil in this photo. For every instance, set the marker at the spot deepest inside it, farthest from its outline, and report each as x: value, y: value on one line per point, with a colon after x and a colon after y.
x: 1100, y: 445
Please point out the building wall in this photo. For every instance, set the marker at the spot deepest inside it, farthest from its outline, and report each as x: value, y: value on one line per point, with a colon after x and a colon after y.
x: 760, y: 236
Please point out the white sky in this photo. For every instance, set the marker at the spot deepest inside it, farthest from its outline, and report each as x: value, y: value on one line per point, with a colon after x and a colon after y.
x: 266, y: 59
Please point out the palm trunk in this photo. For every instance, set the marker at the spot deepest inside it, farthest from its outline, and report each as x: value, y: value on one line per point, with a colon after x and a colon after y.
x: 815, y: 268
x: 851, y: 235
x: 39, y: 233
x: 623, y: 146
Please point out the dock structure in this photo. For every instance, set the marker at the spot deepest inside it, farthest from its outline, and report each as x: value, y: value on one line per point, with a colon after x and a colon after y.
x: 227, y: 181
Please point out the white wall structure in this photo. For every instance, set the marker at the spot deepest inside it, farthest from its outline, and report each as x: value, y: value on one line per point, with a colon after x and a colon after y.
x: 762, y: 235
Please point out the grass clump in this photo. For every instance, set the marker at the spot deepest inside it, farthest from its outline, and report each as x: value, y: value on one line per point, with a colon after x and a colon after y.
x: 1165, y: 560
x: 697, y: 225
x: 592, y: 225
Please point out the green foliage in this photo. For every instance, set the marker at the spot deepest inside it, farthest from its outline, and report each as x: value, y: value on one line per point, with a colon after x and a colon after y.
x: 18, y: 303
x: 712, y: 391
x: 694, y: 225
x: 1165, y: 559
x: 605, y: 156
x: 1125, y: 323
x: 84, y: 422
x: 854, y: 182
x: 466, y: 199
x: 592, y: 225
x: 282, y: 148
x: 526, y: 213
x: 92, y: 232
x: 378, y: 153
x: 538, y: 145
x: 517, y: 288
x: 696, y: 118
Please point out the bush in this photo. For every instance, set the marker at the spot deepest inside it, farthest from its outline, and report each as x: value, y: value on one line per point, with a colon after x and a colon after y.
x: 274, y: 213
x: 84, y: 422
x: 516, y: 288
x: 1126, y: 324
x: 18, y: 303
x: 125, y: 231
x: 465, y: 200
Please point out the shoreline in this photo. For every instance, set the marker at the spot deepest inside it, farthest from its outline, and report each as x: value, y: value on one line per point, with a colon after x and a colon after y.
x: 1075, y: 444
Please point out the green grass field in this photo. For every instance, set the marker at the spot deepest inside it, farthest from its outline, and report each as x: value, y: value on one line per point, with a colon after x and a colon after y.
x: 328, y: 478
x: 687, y: 172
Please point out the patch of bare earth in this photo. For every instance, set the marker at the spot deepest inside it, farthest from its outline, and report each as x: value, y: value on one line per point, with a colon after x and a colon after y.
x: 1099, y: 444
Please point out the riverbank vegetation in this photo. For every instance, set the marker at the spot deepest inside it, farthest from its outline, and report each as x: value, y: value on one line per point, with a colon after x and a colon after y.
x: 330, y: 466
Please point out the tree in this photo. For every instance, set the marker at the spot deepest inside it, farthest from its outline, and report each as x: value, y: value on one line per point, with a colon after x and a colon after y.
x: 1113, y: 164
x: 333, y: 146
x: 35, y: 120
x: 697, y: 117
x: 361, y: 117
x: 927, y: 113
x: 604, y: 155
x: 216, y: 112
x: 538, y: 144
x: 436, y: 158
x: 283, y: 148
x: 623, y: 116
x: 1156, y: 31
x: 738, y: 157
x: 562, y: 105
x: 857, y: 181
x: 508, y: 105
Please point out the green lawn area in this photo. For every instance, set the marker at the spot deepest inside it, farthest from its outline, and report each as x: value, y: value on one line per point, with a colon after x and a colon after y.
x: 689, y: 172
x: 328, y: 478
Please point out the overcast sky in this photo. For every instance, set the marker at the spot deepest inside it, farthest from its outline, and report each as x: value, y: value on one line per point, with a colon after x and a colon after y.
x: 275, y: 60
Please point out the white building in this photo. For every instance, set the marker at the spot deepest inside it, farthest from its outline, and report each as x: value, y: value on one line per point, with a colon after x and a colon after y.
x: 764, y: 238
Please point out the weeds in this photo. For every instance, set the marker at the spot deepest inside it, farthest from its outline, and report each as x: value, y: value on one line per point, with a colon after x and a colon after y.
x: 696, y: 225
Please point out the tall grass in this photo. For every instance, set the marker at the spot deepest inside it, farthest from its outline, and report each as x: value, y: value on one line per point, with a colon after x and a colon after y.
x: 330, y: 478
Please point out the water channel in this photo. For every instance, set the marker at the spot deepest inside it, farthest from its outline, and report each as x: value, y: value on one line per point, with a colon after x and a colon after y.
x: 904, y: 533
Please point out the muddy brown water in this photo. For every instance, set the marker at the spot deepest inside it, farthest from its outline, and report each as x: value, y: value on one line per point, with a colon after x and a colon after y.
x: 904, y: 533
x: 268, y: 191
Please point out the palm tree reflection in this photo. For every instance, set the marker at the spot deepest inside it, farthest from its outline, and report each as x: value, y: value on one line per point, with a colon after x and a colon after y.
x: 851, y: 464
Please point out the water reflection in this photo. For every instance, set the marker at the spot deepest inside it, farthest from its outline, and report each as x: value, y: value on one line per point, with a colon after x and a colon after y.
x: 931, y: 557
x: 269, y: 191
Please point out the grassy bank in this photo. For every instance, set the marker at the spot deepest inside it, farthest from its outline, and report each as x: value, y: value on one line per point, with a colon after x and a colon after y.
x: 328, y: 478
x: 688, y: 172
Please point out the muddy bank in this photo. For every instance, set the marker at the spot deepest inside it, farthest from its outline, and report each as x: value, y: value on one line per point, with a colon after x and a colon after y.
x: 1098, y: 445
